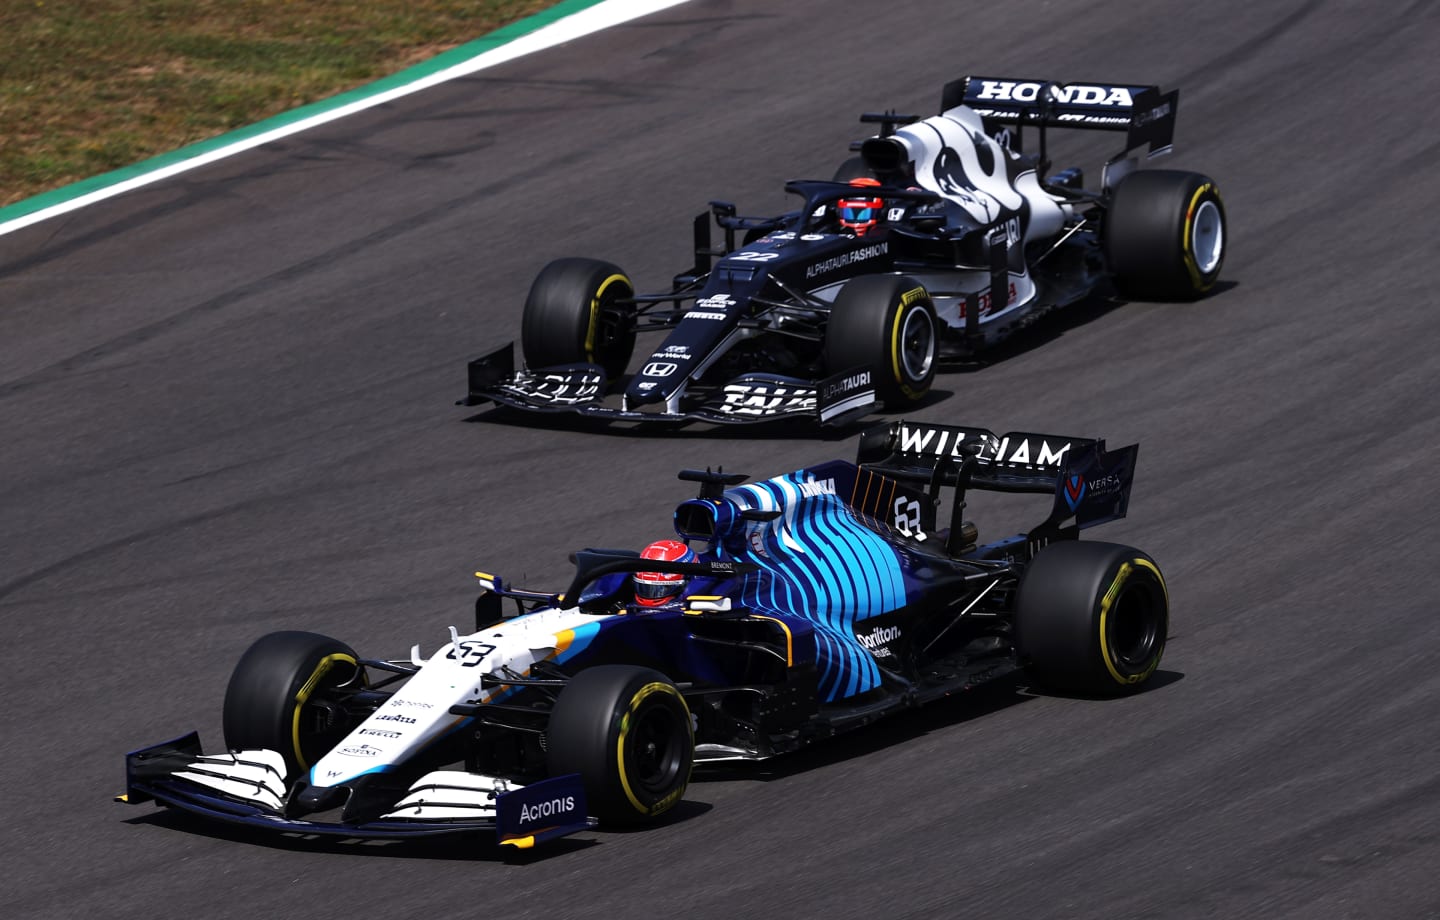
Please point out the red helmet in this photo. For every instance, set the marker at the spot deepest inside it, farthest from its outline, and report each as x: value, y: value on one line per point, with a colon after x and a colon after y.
x: 858, y: 215
x: 655, y: 588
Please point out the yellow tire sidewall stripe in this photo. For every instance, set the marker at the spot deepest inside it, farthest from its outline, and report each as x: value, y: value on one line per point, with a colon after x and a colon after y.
x: 594, y: 323
x: 897, y: 360
x: 635, y: 701
x: 321, y: 669
x: 1187, y: 244
x: 1108, y: 601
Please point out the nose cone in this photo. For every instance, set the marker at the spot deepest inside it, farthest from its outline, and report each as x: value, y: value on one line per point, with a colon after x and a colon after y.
x: 308, y: 800
x: 654, y: 382
x: 665, y: 371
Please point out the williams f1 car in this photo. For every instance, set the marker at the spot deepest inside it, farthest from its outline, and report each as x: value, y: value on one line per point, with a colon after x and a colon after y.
x: 803, y: 606
x: 943, y: 236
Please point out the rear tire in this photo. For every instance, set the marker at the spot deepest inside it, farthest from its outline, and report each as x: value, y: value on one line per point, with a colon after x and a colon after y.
x: 572, y: 316
x: 1165, y: 235
x: 628, y: 733
x: 276, y: 695
x: 886, y: 323
x: 1092, y: 617
x: 854, y: 168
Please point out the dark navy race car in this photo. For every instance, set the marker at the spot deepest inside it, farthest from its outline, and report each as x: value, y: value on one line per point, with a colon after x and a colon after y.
x: 943, y: 236
x: 788, y: 611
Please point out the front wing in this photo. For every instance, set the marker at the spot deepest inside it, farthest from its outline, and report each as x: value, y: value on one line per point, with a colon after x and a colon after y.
x: 246, y: 788
x: 580, y: 389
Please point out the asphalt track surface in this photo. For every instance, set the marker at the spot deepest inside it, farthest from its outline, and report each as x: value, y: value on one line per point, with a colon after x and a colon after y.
x: 226, y: 405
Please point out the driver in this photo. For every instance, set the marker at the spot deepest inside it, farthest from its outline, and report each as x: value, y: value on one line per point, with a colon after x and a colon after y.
x: 654, y: 589
x: 860, y: 214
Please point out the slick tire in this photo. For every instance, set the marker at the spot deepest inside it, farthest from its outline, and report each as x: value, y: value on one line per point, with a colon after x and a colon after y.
x: 575, y: 315
x: 886, y: 323
x: 277, y: 696
x: 627, y: 732
x: 1091, y: 617
x: 1164, y: 235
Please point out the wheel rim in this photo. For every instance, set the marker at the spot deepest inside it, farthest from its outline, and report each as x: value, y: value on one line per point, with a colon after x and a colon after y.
x: 1207, y: 236
x: 1135, y: 626
x: 654, y: 750
x: 917, y: 345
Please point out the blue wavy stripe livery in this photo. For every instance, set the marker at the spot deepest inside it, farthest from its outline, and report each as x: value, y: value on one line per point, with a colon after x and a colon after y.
x: 821, y: 564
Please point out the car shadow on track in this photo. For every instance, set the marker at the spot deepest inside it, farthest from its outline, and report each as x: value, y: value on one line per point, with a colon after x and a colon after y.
x: 905, y: 728
x: 902, y: 728
x: 1044, y: 331
x: 782, y: 430
x: 474, y: 847
x: 479, y: 846
x: 1041, y: 332
x: 1047, y: 329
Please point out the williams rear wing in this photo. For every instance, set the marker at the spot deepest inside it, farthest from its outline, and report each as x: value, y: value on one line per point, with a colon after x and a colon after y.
x: 1144, y: 113
x: 1013, y: 462
x: 1090, y: 485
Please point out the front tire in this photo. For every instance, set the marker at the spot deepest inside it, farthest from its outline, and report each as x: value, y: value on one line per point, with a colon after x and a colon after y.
x: 575, y: 315
x: 276, y: 699
x: 1165, y: 235
x: 886, y: 323
x: 628, y: 733
x: 1092, y: 617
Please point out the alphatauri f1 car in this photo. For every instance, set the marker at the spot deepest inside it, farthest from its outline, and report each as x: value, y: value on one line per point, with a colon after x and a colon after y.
x: 803, y: 606
x: 942, y: 237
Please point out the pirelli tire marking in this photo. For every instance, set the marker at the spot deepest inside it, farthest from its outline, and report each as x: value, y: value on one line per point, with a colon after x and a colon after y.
x: 1194, y: 212
x: 1108, y: 601
x: 623, y: 762
x: 900, y: 332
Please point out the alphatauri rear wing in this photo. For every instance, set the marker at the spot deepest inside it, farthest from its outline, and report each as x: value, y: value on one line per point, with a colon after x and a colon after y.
x: 1146, y: 114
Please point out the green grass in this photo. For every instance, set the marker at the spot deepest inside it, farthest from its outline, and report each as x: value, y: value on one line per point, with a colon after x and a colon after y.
x: 88, y: 86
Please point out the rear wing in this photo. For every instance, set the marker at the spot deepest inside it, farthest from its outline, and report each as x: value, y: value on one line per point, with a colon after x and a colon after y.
x: 1090, y: 484
x: 1144, y: 113
x: 1012, y: 462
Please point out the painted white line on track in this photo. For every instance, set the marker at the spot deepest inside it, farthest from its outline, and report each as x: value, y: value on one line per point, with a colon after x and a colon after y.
x: 598, y: 17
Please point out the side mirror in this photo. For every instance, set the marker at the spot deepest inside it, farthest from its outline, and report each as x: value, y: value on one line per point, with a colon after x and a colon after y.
x: 489, y: 610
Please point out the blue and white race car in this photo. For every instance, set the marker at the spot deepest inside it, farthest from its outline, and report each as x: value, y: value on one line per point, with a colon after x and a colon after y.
x: 785, y: 611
